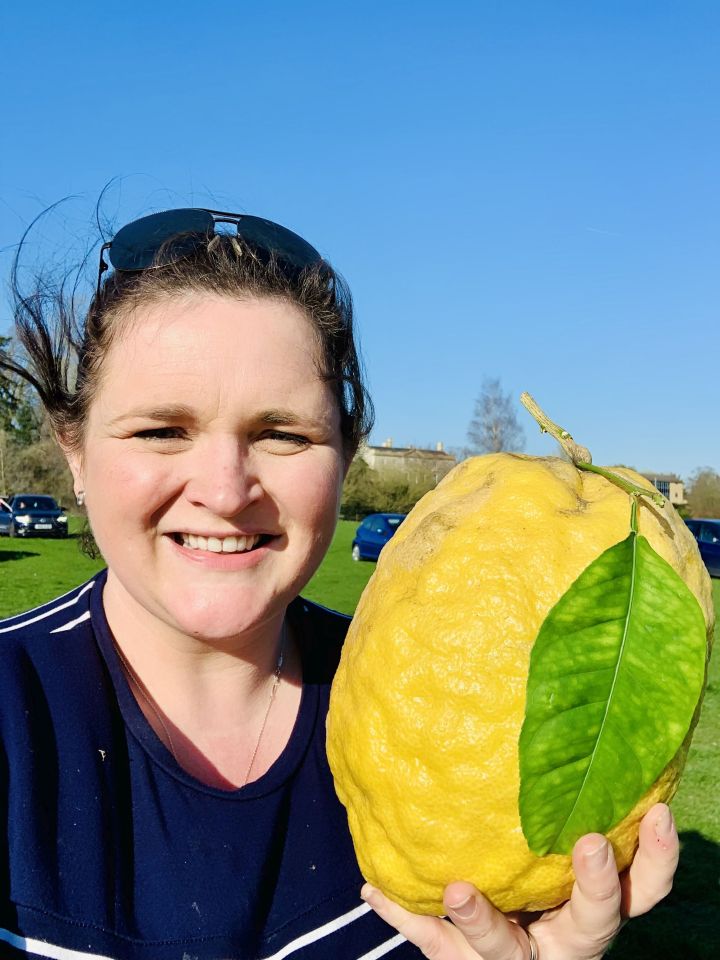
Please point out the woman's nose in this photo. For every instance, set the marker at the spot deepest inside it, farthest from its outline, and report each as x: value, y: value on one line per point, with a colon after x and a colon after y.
x: 223, y: 478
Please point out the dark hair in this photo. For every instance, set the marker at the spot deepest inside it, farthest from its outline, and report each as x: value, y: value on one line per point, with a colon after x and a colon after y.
x: 65, y: 352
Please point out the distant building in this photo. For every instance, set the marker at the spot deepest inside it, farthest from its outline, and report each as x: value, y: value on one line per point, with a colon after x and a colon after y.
x: 670, y: 486
x: 409, y: 462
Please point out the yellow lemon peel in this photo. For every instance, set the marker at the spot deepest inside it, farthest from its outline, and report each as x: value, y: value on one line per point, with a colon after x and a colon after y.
x: 428, y: 702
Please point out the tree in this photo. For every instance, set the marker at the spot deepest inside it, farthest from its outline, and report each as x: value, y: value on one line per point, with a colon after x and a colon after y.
x: 27, y: 420
x: 39, y: 467
x: 4, y: 486
x: 367, y: 491
x: 494, y: 426
x: 8, y: 391
x: 703, y: 493
x: 20, y: 411
x: 359, y: 491
x: 398, y: 493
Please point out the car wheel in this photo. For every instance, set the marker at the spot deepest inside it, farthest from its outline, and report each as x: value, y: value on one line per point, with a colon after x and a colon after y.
x: 355, y: 554
x: 13, y: 530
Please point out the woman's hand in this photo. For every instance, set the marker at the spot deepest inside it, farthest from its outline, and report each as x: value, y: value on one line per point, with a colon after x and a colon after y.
x: 580, y: 929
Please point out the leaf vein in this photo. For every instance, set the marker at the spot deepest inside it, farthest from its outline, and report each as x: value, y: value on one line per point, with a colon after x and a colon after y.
x: 631, y: 580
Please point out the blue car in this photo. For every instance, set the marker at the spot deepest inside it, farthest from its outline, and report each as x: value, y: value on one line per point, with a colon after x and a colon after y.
x: 32, y: 514
x: 373, y: 533
x: 707, y: 534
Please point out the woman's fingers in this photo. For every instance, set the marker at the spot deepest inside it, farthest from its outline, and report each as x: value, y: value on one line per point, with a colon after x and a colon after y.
x: 478, y: 929
x: 581, y: 930
x: 595, y: 900
x: 486, y: 930
x: 591, y: 918
x: 650, y: 876
x: 426, y: 933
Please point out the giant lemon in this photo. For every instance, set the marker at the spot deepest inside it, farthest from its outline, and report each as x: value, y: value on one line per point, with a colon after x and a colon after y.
x: 428, y: 702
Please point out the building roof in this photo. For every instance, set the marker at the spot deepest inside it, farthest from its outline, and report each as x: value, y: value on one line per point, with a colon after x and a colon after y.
x: 415, y: 452
x: 669, y: 477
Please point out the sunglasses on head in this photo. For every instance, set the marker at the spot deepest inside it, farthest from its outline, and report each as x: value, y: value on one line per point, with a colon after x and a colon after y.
x: 135, y: 246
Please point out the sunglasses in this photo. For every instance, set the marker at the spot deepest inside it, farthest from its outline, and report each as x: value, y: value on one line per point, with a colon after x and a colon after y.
x: 135, y: 246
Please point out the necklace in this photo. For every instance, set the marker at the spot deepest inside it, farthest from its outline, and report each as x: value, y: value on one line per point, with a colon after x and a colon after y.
x: 149, y: 700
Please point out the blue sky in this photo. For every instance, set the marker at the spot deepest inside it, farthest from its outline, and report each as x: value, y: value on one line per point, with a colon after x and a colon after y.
x: 523, y: 190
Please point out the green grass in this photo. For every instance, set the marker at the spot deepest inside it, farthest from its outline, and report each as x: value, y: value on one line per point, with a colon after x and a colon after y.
x: 686, y: 925
x: 35, y: 570
x: 340, y: 580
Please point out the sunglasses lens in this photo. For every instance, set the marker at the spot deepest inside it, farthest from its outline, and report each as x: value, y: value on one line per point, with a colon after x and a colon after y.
x: 135, y: 245
x: 264, y: 235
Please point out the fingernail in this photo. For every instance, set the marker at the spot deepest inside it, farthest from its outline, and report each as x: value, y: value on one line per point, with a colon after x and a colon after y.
x: 598, y: 858
x: 664, y: 828
x: 370, y: 895
x: 664, y: 824
x: 465, y: 910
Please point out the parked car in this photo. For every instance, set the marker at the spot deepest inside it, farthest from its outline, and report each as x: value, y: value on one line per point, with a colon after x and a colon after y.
x: 707, y: 534
x: 373, y: 533
x: 32, y: 514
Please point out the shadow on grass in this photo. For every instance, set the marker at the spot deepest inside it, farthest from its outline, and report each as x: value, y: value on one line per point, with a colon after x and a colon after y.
x: 685, y: 925
x: 17, y: 554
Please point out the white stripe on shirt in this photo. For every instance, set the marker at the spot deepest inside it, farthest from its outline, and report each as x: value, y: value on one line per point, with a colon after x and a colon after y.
x: 73, y: 623
x: 320, y: 932
x: 48, y: 613
x: 42, y: 949
x: 50, y: 951
x: 384, y: 948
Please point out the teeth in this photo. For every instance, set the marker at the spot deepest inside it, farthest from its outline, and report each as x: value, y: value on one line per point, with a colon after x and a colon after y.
x: 231, y: 544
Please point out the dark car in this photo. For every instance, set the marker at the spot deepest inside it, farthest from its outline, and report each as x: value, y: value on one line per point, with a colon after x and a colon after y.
x: 32, y: 515
x: 373, y: 533
x: 707, y: 534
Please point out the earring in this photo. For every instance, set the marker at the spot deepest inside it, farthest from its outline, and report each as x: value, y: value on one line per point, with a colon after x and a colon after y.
x: 80, y: 498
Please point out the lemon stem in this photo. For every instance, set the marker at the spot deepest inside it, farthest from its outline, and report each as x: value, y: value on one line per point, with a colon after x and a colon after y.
x: 580, y: 455
x: 633, y: 512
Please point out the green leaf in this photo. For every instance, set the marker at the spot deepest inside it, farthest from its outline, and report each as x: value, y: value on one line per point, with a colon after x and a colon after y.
x: 615, y: 676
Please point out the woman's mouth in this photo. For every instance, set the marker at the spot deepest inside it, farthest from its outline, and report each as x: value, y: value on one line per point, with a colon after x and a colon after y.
x: 230, y: 544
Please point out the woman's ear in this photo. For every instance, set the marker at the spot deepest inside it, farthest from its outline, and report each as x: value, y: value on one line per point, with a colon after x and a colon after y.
x: 73, y: 455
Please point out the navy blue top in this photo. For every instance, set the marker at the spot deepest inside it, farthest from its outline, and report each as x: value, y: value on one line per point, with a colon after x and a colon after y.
x: 108, y: 849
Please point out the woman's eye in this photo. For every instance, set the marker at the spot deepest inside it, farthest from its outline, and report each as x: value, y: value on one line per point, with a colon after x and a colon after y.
x: 290, y: 438
x: 160, y: 433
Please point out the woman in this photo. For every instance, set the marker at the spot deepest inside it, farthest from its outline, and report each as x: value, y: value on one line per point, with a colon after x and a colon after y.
x: 164, y: 791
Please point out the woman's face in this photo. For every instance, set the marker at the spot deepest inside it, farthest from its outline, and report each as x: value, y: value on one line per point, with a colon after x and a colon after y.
x: 212, y: 464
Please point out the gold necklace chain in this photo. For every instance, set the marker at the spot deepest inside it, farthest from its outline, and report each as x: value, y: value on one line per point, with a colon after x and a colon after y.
x: 145, y: 694
x: 273, y: 691
x: 149, y: 700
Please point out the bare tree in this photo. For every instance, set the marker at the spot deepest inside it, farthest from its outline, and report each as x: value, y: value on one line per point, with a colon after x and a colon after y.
x: 494, y: 426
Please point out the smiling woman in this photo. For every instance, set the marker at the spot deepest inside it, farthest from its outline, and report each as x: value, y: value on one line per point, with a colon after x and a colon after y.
x: 210, y: 469
x: 164, y: 724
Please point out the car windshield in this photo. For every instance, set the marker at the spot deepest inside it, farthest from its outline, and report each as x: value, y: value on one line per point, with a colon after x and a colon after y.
x: 394, y: 521
x: 34, y: 503
x: 710, y: 533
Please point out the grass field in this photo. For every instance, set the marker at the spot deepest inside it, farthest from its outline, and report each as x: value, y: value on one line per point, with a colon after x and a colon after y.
x: 686, y: 925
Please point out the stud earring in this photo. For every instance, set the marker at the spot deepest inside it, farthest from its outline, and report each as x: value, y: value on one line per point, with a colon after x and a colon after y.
x: 80, y: 498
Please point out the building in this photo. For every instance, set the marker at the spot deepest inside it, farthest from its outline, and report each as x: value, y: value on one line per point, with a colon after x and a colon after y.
x: 670, y: 486
x: 409, y: 462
